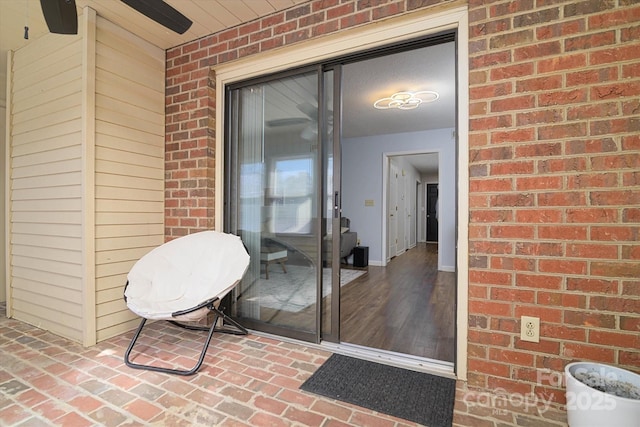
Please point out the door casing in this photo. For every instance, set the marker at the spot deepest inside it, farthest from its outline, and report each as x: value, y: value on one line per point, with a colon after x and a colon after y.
x: 410, y: 26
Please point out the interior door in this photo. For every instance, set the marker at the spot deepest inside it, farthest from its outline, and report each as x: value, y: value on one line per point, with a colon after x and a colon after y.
x: 401, y: 213
x: 392, y: 208
x: 432, y: 212
x: 413, y: 215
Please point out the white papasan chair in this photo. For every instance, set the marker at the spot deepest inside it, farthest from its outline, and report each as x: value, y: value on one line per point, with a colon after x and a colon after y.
x: 184, y: 280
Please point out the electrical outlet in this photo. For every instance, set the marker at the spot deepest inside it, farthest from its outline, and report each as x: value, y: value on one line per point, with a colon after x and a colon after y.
x: 530, y: 329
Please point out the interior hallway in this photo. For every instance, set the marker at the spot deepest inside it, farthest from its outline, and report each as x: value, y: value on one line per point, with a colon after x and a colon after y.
x: 46, y: 380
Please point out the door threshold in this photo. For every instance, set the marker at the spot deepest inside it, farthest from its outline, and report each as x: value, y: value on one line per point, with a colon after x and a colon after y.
x: 400, y: 360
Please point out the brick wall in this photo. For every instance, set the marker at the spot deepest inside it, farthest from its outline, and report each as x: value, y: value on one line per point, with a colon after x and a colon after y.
x: 555, y: 179
x: 555, y: 189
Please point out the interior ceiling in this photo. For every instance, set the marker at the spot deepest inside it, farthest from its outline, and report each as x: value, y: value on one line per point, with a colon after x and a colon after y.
x: 428, y: 68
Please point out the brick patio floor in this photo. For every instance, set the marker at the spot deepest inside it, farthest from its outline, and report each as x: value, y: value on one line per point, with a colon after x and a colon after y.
x: 46, y: 380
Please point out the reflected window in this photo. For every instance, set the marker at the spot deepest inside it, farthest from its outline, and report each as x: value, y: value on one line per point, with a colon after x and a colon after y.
x: 291, y: 195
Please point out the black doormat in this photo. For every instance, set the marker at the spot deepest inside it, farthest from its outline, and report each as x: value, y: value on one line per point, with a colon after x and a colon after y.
x: 414, y: 396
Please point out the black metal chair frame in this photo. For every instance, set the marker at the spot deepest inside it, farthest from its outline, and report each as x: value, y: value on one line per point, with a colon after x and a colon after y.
x: 232, y: 327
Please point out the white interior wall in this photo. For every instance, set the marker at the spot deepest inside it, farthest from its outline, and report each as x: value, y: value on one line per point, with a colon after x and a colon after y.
x: 362, y: 166
x: 429, y: 178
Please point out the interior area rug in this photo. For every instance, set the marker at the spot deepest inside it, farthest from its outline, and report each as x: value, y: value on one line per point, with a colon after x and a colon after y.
x: 294, y: 290
x: 414, y: 396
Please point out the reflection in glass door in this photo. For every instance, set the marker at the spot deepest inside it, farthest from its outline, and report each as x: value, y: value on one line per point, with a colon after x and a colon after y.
x: 273, y: 201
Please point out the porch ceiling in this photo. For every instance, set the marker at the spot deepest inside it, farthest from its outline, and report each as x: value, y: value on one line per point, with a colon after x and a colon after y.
x: 208, y: 16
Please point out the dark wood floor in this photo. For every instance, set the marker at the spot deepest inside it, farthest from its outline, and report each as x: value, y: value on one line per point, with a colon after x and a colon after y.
x: 407, y: 306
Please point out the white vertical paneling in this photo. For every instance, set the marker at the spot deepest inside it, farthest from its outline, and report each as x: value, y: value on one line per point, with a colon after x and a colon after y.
x: 44, y: 186
x: 129, y: 166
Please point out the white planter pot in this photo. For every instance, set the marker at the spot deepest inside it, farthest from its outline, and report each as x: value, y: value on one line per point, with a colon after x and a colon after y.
x: 590, y: 407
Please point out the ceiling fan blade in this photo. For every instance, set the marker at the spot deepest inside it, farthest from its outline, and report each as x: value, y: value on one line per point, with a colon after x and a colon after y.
x: 60, y: 15
x: 309, y: 109
x: 162, y: 13
x: 289, y: 121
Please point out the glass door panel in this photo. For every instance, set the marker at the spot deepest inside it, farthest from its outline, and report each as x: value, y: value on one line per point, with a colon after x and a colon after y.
x: 274, y: 202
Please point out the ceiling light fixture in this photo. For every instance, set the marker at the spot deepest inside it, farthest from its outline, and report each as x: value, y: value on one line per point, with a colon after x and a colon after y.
x: 406, y: 100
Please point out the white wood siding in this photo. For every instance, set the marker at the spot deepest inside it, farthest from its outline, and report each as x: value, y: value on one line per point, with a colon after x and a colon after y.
x: 129, y: 166
x: 86, y: 176
x: 3, y: 219
x: 45, y: 186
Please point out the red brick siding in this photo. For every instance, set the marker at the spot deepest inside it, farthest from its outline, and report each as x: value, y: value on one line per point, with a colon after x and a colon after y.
x: 554, y: 155
x: 554, y: 178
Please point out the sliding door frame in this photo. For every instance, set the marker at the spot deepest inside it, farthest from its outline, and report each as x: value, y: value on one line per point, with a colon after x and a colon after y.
x: 333, y: 334
x: 411, y: 26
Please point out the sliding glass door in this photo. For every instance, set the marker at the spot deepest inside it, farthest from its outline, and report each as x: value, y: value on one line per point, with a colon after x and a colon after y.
x: 274, y: 203
x: 300, y: 143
